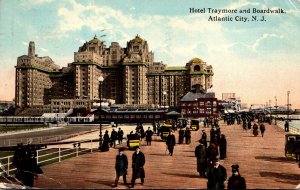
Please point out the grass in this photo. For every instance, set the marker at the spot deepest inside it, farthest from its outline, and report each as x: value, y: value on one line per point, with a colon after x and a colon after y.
x: 9, y: 128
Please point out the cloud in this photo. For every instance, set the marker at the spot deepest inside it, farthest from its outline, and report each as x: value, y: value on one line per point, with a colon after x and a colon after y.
x: 44, y: 49
x: 25, y: 43
x: 263, y: 38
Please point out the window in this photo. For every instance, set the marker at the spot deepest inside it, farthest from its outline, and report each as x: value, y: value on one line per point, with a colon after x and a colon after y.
x: 201, y: 111
x: 215, y: 103
x: 183, y: 111
x: 195, y: 104
x: 208, y: 111
x: 208, y: 103
x: 195, y: 111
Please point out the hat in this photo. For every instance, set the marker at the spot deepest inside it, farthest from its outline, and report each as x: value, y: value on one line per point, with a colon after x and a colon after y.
x: 235, y: 167
x: 216, y: 159
x: 136, y: 147
x: 121, y: 149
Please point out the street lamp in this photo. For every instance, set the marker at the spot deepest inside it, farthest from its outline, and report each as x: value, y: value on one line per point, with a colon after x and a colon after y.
x: 100, y: 79
x: 288, y: 105
x: 276, y: 110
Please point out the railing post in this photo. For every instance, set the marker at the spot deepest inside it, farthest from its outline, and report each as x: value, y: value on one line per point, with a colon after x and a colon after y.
x: 91, y: 145
x: 37, y: 156
x: 59, y: 159
x: 8, y: 168
x: 77, y: 150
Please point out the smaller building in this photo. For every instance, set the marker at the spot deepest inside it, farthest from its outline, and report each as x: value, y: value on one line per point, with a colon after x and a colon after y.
x: 199, y: 105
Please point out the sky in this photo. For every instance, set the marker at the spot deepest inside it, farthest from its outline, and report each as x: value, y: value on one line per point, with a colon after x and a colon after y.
x: 257, y: 60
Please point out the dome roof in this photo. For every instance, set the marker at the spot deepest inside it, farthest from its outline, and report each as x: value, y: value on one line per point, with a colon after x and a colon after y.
x: 137, y: 39
x: 95, y: 40
x: 196, y: 60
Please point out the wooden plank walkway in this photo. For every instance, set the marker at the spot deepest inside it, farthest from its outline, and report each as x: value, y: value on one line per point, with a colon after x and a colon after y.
x: 261, y: 161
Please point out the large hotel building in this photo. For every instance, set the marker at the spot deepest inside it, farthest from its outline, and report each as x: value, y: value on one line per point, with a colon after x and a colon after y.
x: 131, y: 77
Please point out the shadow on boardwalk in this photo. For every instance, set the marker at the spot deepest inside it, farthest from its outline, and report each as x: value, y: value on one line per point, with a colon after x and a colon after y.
x: 275, y: 159
x: 182, y: 175
x: 283, y: 177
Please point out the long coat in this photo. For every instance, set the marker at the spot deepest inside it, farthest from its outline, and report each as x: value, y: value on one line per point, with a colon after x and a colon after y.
x: 216, y: 178
x: 236, y: 183
x: 200, y: 153
x: 121, y: 165
x: 223, y: 147
x: 105, y: 146
x: 138, y: 162
x: 148, y: 135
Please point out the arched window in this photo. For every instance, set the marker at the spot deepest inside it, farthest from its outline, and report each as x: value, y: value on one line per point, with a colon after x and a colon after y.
x: 197, y: 68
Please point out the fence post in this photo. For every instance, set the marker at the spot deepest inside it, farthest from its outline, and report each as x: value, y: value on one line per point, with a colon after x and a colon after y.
x: 59, y: 159
x: 91, y: 145
x: 37, y: 156
x: 8, y: 160
x: 77, y: 150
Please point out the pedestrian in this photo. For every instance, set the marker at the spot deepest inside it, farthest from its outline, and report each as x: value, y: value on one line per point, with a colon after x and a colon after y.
x: 211, y: 152
x: 204, y: 138
x: 223, y: 147
x: 200, y: 153
x: 113, y: 138
x: 255, y: 129
x: 286, y: 126
x: 181, y: 136
x: 105, y: 144
x: 171, y: 142
x: 121, y: 166
x: 148, y: 135
x: 138, y: 162
x: 120, y: 136
x: 26, y: 164
x: 236, y: 181
x: 262, y: 129
x: 216, y: 175
x: 154, y: 127
x: 212, y: 134
x: 187, y: 136
x: 249, y: 124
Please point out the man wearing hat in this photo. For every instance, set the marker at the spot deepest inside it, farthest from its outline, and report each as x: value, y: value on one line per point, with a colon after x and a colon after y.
x: 171, y: 142
x: 236, y: 181
x: 216, y: 175
x: 121, y: 166
x: 138, y: 162
x: 200, y: 153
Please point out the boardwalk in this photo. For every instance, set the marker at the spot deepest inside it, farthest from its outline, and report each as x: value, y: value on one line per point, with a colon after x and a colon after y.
x: 261, y: 161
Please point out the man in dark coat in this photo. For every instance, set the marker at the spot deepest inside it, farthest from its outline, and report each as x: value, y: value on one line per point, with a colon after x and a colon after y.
x: 105, y: 145
x: 148, y: 135
x: 223, y: 147
x: 212, y: 134
x: 171, y: 142
x: 249, y: 124
x: 255, y: 129
x: 262, y: 129
x: 113, y: 138
x: 120, y: 136
x: 216, y: 176
x: 200, y: 153
x: 121, y: 166
x: 236, y: 181
x: 286, y: 126
x: 138, y: 162
x: 187, y: 136
x: 204, y: 138
x: 181, y: 136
